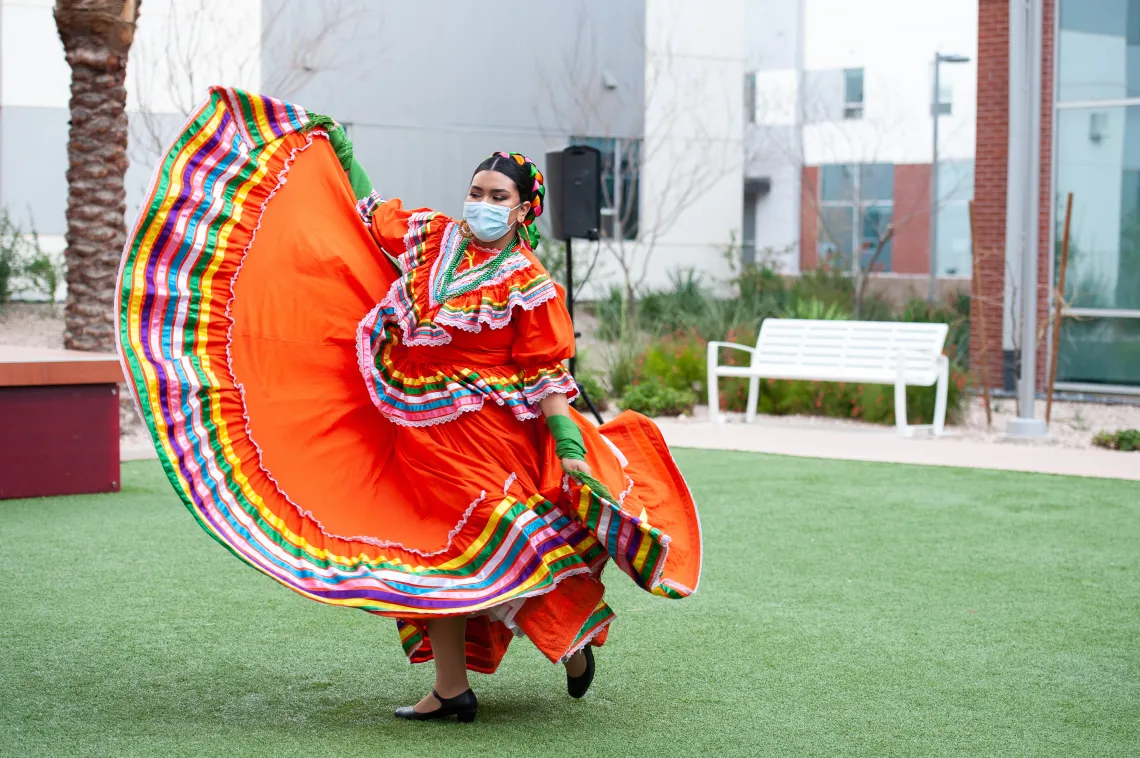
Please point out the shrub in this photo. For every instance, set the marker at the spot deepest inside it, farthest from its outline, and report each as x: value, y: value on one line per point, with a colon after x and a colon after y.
x: 609, y: 314
x: 675, y: 309
x: 815, y: 309
x: 21, y: 256
x: 43, y: 273
x: 592, y: 385
x: 621, y: 363
x: 11, y: 243
x: 873, y: 403
x: 655, y: 398
x: 1125, y: 440
x: 760, y: 284
x: 828, y: 284
x: 678, y: 361
x: 956, y: 314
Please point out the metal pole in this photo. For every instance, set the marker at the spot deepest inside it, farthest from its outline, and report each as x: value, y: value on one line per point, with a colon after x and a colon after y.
x: 570, y: 297
x: 1026, y: 424
x: 934, y: 113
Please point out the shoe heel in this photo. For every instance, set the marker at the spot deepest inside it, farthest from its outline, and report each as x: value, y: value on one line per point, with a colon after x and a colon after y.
x: 466, y: 717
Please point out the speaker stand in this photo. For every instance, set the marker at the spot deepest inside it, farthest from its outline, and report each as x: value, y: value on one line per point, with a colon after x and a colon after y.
x: 570, y: 307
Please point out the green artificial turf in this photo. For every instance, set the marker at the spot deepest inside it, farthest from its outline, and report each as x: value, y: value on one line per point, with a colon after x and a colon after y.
x: 845, y: 609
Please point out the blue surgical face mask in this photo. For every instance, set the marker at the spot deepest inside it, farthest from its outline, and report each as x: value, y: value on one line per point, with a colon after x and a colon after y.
x: 488, y: 222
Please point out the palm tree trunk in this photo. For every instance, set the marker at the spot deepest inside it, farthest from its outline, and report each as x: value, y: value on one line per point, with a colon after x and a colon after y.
x: 97, y: 36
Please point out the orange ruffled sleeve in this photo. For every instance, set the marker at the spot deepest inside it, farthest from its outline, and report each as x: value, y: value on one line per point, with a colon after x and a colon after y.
x: 545, y: 338
x: 402, y: 234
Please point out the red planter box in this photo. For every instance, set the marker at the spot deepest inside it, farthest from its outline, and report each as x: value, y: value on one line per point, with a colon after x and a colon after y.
x: 59, y: 423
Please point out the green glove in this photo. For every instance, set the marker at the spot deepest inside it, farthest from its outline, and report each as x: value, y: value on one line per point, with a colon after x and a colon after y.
x: 569, y: 444
x: 567, y: 437
x: 357, y: 176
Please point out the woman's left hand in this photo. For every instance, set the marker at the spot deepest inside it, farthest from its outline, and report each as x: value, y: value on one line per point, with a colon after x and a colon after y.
x: 572, y: 464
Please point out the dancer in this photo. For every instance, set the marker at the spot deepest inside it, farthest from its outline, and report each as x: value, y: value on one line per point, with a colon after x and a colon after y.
x: 369, y: 404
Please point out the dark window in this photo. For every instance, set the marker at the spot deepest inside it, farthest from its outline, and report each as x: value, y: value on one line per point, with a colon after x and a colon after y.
x: 853, y: 93
x: 621, y: 175
x: 856, y: 210
x: 838, y: 183
x: 750, y: 97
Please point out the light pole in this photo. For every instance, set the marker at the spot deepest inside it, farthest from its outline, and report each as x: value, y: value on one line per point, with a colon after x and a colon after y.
x: 1023, y: 195
x: 935, y: 112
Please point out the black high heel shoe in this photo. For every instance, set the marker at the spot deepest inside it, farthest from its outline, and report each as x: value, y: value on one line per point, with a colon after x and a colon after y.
x: 577, y: 685
x: 464, y: 706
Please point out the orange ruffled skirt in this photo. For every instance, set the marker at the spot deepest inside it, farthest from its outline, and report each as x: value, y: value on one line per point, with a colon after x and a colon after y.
x: 240, y: 294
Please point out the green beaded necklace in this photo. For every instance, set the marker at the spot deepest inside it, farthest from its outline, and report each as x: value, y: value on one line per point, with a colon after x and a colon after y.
x: 443, y: 290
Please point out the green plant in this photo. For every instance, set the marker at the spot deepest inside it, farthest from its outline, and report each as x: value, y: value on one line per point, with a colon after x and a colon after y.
x: 1125, y: 440
x: 592, y: 386
x: 955, y: 314
x: 608, y: 312
x: 873, y: 403
x: 11, y: 244
x: 678, y: 361
x: 760, y: 283
x: 674, y: 309
x: 43, y: 273
x: 655, y: 398
x: 828, y: 284
x: 620, y: 360
x: 815, y: 309
x: 22, y: 257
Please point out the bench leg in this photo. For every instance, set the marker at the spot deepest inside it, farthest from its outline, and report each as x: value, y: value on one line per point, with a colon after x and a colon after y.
x: 900, y: 400
x: 714, y: 399
x: 940, y: 398
x: 753, y: 398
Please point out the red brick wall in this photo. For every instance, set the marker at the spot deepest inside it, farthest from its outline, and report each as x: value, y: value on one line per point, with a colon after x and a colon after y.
x: 809, y: 218
x: 990, y: 183
x: 911, y: 244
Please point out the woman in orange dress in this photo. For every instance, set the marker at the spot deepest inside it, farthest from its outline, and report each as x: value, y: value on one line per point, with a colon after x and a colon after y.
x: 368, y: 403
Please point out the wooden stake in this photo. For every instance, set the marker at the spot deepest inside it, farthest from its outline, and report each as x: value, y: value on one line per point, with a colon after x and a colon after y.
x: 976, y: 296
x: 1059, y: 310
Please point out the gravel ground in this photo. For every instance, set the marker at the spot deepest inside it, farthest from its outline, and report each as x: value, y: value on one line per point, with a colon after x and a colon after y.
x: 1074, y: 424
x: 31, y: 325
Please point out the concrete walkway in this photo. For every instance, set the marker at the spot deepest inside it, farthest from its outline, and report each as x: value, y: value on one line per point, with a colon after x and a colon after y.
x: 870, y: 444
x: 885, y: 446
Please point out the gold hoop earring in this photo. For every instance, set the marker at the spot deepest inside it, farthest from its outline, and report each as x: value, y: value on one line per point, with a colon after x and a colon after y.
x: 465, y: 229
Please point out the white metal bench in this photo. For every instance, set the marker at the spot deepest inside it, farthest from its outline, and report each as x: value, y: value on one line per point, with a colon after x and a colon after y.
x: 865, y: 352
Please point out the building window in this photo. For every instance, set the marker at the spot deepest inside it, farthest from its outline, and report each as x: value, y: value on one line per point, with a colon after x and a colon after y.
x: 621, y: 177
x: 853, y: 93
x: 1097, y: 144
x: 750, y: 97
x: 856, y: 209
x: 955, y: 191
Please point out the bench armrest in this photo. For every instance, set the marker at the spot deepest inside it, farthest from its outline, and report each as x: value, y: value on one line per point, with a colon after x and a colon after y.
x: 714, y: 351
x: 733, y: 345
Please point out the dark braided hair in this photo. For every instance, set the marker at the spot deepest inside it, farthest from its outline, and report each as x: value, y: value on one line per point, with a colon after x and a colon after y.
x: 529, y: 183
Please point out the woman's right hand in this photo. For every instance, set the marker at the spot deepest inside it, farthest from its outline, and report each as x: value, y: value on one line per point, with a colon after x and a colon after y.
x: 573, y: 464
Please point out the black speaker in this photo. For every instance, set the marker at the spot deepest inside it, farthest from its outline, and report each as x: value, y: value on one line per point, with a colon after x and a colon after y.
x: 574, y: 192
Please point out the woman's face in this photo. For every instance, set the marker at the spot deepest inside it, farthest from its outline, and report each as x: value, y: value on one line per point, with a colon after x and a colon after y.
x: 497, y: 189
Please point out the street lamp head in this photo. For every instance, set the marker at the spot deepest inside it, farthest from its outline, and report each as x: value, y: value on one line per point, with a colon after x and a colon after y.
x: 953, y: 58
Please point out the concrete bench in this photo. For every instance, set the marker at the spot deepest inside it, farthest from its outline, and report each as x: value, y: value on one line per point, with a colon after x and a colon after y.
x: 862, y: 352
x: 59, y: 422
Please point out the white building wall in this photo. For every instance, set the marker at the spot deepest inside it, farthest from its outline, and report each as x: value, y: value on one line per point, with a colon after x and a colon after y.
x: 894, y: 42
x: 33, y: 72
x: 692, y: 154
x: 180, y: 49
x: 773, y: 142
